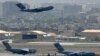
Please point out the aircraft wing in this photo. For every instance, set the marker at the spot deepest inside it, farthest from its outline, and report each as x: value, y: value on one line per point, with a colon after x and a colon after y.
x: 25, y: 49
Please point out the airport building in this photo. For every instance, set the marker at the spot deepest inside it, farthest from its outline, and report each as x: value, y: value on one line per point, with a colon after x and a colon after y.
x: 19, y: 36
x: 91, y: 34
x: 10, y: 35
x: 36, y: 35
x: 68, y: 33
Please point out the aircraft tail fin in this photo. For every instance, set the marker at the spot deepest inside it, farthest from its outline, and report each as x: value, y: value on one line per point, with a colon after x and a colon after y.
x: 21, y: 6
x: 6, y: 44
x: 59, y: 47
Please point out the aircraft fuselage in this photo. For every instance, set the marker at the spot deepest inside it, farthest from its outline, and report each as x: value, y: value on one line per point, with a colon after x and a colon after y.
x: 38, y: 9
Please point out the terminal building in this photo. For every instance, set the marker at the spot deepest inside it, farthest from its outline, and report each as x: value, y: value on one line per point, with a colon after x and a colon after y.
x: 91, y: 34
x: 19, y: 36
x: 68, y: 33
x: 36, y: 35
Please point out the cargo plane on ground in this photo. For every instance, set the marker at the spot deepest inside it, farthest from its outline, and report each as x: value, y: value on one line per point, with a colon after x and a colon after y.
x: 60, y: 49
x: 16, y: 50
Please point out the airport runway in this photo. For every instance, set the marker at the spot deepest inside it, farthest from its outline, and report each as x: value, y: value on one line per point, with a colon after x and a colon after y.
x: 63, y: 43
x: 10, y: 54
x: 47, y: 47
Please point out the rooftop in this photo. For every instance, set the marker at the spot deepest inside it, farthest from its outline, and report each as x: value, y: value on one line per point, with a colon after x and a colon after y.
x: 39, y: 32
x: 91, y: 30
x: 2, y: 31
x: 7, y: 32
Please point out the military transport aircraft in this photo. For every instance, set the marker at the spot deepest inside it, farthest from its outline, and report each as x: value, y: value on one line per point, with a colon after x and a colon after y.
x: 41, y: 9
x: 18, y: 51
x: 68, y: 53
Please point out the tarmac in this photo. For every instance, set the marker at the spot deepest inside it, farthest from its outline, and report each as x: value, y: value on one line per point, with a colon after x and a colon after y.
x: 44, y: 48
x: 10, y: 54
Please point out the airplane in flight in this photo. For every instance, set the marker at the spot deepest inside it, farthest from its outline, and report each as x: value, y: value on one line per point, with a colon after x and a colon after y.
x: 41, y: 9
x: 60, y: 49
x: 18, y: 51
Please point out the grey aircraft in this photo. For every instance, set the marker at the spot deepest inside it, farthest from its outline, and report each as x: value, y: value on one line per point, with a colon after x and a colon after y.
x: 41, y: 9
x: 60, y: 49
x: 18, y: 51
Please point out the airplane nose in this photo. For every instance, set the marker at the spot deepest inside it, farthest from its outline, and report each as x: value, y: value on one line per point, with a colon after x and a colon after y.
x: 32, y: 51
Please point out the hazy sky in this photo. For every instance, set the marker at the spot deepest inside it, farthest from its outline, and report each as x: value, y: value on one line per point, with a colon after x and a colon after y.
x: 38, y: 2
x: 53, y: 1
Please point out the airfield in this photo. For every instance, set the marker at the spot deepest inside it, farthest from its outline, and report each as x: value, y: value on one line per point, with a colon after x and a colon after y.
x: 44, y: 48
